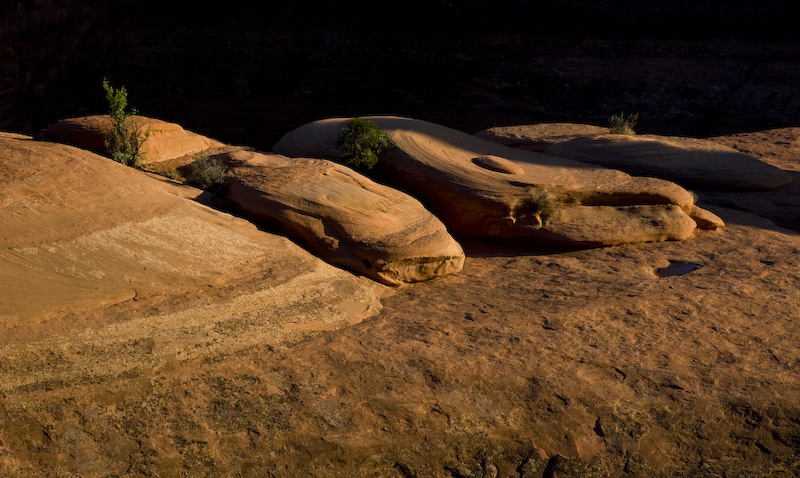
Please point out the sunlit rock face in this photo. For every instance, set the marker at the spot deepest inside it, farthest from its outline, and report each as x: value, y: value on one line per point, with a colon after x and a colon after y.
x: 482, y: 189
x: 342, y: 216
x: 688, y: 161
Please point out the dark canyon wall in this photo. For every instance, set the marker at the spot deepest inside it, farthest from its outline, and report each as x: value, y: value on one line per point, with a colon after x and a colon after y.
x: 248, y: 74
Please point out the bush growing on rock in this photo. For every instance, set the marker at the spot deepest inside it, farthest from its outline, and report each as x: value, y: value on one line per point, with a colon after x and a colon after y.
x: 542, y: 203
x: 125, y: 139
x: 360, y: 142
x: 621, y: 124
x: 205, y: 172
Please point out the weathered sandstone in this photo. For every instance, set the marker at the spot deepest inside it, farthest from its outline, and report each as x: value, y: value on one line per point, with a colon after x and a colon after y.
x: 549, y: 199
x: 166, y: 140
x: 688, y: 161
x: 90, y: 244
x: 342, y: 216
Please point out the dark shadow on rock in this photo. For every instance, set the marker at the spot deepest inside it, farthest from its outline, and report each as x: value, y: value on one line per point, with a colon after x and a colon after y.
x: 781, y: 207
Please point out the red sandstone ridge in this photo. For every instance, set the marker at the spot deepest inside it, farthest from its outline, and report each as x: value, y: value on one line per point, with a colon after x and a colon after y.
x: 554, y: 200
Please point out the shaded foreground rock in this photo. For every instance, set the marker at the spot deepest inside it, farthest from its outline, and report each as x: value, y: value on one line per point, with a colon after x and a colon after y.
x: 688, y: 161
x: 166, y: 140
x: 97, y: 253
x: 551, y: 199
x: 342, y: 216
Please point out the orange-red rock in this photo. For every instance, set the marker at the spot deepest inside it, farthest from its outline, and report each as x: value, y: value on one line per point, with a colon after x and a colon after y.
x: 165, y: 141
x: 554, y: 200
x: 343, y: 216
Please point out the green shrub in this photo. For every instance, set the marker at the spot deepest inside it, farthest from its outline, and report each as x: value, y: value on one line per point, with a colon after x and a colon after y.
x: 173, y: 174
x: 360, y: 142
x: 543, y: 203
x: 125, y: 139
x: 620, y: 124
x: 205, y: 172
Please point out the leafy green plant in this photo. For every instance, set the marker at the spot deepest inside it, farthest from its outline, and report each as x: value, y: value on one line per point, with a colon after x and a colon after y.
x: 620, y: 124
x: 125, y: 139
x: 205, y: 172
x: 360, y: 142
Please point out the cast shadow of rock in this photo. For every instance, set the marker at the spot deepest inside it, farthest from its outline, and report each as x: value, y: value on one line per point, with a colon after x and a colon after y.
x: 779, y: 207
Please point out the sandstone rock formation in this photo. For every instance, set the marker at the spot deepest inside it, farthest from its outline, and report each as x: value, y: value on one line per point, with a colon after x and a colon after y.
x: 779, y: 147
x: 166, y: 140
x: 342, y: 216
x: 587, y: 363
x: 90, y: 245
x: 462, y: 179
x: 538, y: 137
x: 688, y: 161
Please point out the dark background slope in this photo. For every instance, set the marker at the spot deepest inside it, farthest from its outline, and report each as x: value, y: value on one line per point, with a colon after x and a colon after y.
x: 247, y: 74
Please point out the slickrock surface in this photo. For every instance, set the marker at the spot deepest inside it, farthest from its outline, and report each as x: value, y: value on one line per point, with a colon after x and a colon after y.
x: 100, y: 259
x: 538, y: 137
x: 585, y: 362
x: 166, y: 140
x: 554, y: 200
x: 779, y: 147
x: 688, y: 161
x: 342, y: 216
x: 645, y: 360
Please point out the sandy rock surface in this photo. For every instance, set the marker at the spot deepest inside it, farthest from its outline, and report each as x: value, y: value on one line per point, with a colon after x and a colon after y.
x: 554, y: 200
x: 688, y: 161
x: 342, y: 216
x: 166, y: 140
x: 585, y: 362
x: 646, y: 360
x: 537, y: 137
x: 98, y: 256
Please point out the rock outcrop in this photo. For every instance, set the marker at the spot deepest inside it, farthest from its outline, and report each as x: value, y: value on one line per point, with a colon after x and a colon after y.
x: 688, y: 161
x: 166, y: 140
x: 554, y: 200
x: 538, y: 137
x: 342, y: 216
x: 90, y: 244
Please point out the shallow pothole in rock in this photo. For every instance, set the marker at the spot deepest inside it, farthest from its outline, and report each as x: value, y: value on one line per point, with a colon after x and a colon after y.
x: 677, y: 268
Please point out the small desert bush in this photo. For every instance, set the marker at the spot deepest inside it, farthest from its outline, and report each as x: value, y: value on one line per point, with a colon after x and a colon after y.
x: 173, y: 174
x: 205, y: 172
x: 360, y: 143
x: 542, y: 202
x: 621, y: 124
x: 125, y: 139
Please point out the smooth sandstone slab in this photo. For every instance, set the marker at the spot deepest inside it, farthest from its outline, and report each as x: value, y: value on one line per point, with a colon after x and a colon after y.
x: 537, y: 137
x: 551, y: 199
x: 689, y: 161
x: 88, y: 244
x: 166, y: 140
x: 343, y: 216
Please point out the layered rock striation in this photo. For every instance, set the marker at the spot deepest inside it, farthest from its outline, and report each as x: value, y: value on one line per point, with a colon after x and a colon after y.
x: 486, y: 190
x: 342, y: 216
